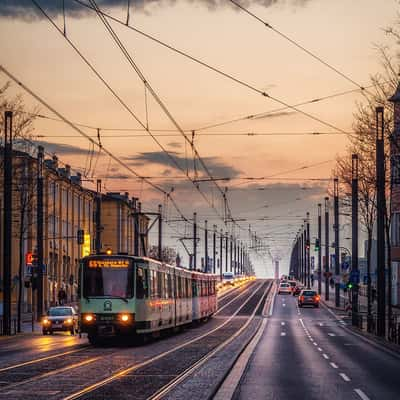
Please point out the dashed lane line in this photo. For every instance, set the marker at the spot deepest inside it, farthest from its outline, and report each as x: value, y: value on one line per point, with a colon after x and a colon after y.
x: 325, y: 356
x: 319, y: 349
x: 361, y: 394
x: 333, y: 365
x: 282, y: 323
x: 331, y: 334
x: 344, y: 377
x: 283, y: 333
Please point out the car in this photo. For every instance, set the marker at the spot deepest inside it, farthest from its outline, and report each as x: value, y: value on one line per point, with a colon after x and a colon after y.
x: 60, y: 318
x: 284, y: 288
x: 308, y: 297
x: 296, y: 291
x: 228, y: 278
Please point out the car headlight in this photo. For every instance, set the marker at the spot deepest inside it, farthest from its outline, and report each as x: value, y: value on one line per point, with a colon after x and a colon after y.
x: 124, y: 317
x: 68, y: 321
x: 45, y: 321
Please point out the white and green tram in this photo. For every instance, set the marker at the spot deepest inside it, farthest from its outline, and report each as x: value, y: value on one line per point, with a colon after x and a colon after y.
x: 127, y: 295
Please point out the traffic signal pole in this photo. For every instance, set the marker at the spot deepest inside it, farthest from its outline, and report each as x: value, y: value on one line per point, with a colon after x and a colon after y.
x: 319, y: 251
x: 336, y: 227
x: 354, y: 241
x: 7, y: 218
x: 308, y: 251
x: 380, y: 221
x: 39, y: 229
x: 326, y: 248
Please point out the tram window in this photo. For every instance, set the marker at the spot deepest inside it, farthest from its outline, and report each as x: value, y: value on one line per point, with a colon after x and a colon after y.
x: 141, y: 283
x: 154, y: 285
x: 194, y: 289
x: 159, y: 284
x: 179, y: 287
x: 169, y: 286
x: 166, y: 291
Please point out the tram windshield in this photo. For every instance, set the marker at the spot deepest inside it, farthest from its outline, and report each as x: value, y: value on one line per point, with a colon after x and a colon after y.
x: 108, y: 277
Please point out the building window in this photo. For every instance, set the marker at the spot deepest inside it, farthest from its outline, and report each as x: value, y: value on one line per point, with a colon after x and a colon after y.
x: 395, y: 229
x: 395, y: 169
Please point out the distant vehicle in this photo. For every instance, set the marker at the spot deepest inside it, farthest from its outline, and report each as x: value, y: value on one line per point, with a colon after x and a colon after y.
x: 284, y: 288
x: 308, y: 297
x: 60, y: 319
x: 296, y: 291
x: 228, y: 278
x: 292, y: 284
x: 284, y: 278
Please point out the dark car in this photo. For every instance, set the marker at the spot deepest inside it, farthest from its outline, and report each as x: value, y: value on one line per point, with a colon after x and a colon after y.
x: 308, y: 298
x: 60, y: 319
x: 296, y: 291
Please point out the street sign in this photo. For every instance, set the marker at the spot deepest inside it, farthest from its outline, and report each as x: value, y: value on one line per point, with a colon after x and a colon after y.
x: 355, y: 276
x: 345, y: 265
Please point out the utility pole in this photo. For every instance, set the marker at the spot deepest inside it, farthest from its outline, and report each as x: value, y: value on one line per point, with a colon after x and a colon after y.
x: 305, y: 252
x: 230, y: 253
x: 301, y: 256
x: 135, y: 227
x: 380, y: 221
x: 308, y: 252
x: 235, y: 256
x: 226, y: 251
x: 205, y: 247
x: 214, y: 249
x: 7, y: 218
x: 336, y: 228
x: 354, y: 234
x: 221, y: 239
x: 326, y: 248
x: 98, y: 217
x: 319, y: 249
x: 160, y: 220
x: 39, y: 211
x: 194, y: 241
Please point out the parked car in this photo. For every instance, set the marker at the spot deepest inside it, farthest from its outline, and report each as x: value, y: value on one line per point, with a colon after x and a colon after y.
x: 61, y: 318
x: 284, y: 288
x: 308, y: 297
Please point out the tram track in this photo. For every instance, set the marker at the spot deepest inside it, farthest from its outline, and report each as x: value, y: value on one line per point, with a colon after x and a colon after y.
x: 198, y: 350
x: 68, y: 365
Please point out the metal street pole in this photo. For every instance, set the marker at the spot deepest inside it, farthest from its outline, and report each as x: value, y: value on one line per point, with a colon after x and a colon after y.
x: 214, y: 249
x: 98, y: 218
x: 205, y: 247
x: 354, y: 234
x: 7, y: 218
x: 39, y: 229
x: 326, y: 248
x: 305, y: 252
x: 302, y: 255
x: 230, y: 253
x: 319, y: 250
x: 226, y: 251
x: 336, y: 228
x: 380, y: 221
x: 221, y: 239
x: 194, y: 241
x: 160, y: 220
x: 308, y: 252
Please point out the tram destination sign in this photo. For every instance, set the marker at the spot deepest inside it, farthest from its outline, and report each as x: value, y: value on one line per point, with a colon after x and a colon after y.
x: 107, y: 263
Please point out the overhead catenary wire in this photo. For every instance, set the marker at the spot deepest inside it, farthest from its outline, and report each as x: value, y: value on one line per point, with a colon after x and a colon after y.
x: 239, y: 81
x: 295, y: 43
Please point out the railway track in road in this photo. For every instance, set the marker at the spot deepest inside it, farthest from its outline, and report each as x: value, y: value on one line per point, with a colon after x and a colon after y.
x: 154, y: 377
x: 77, y: 371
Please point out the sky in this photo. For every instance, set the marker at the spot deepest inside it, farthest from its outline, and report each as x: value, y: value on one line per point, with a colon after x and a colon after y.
x: 342, y: 33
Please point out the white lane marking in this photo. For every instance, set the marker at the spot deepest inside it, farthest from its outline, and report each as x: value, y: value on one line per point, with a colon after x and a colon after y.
x: 361, y: 394
x: 321, y: 324
x: 315, y: 344
x: 331, y: 334
x: 345, y: 377
x: 319, y: 349
x: 283, y: 333
x: 282, y: 323
x: 283, y: 305
x: 333, y: 365
x: 325, y: 356
x: 302, y: 323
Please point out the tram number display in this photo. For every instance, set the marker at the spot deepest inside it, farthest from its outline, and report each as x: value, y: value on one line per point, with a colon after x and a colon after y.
x: 108, y: 263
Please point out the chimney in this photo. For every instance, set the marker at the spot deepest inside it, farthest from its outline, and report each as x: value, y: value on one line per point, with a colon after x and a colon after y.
x: 68, y: 171
x: 55, y: 162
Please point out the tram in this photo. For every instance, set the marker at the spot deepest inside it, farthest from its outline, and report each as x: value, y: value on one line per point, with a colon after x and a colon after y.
x: 133, y: 296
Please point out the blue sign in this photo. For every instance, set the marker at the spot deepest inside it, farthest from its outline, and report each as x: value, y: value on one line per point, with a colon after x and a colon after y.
x: 345, y: 265
x: 355, y: 276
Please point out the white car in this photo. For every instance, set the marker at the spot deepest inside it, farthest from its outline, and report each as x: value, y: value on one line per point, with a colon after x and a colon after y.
x: 284, y: 288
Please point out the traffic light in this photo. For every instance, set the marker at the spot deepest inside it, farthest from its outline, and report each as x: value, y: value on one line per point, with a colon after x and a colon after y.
x: 308, y: 245
x: 316, y: 245
x: 349, y: 285
x: 80, y: 236
x: 35, y: 259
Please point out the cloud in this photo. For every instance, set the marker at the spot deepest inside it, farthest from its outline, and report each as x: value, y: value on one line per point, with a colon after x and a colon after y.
x: 26, y: 10
x: 175, y: 145
x: 216, y: 166
x: 62, y: 149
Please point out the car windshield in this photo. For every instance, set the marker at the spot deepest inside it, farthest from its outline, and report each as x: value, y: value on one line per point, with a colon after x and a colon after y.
x: 309, y: 293
x: 284, y: 285
x: 59, y: 311
x: 108, y: 278
x: 227, y: 276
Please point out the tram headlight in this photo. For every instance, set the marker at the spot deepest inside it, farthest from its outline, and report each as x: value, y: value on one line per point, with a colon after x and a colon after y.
x: 89, y: 317
x: 124, y: 317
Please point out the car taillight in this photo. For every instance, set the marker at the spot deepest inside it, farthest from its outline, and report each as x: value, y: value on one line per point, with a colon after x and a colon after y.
x: 301, y: 298
x: 317, y: 298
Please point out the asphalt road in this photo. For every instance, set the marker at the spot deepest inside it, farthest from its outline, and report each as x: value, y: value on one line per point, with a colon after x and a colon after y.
x: 307, y: 354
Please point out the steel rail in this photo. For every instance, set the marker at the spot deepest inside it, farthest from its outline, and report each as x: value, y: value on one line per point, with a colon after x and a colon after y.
x: 120, y: 374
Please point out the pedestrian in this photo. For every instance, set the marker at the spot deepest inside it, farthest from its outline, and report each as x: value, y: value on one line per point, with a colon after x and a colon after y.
x: 61, y: 296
